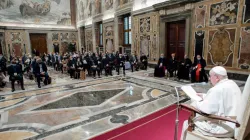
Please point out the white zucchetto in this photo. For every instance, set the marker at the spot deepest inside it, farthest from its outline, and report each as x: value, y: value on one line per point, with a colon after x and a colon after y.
x: 219, y: 70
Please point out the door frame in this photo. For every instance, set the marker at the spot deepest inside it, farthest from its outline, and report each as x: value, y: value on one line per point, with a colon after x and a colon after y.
x: 177, y: 35
x: 37, y: 33
x: 165, y: 19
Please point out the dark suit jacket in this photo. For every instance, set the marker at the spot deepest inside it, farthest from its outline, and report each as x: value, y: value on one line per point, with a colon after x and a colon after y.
x: 37, y: 68
x: 15, y: 69
x: 172, y: 64
x: 163, y: 61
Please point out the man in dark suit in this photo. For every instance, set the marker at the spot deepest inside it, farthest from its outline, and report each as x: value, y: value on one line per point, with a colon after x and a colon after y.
x: 172, y: 65
x: 120, y: 62
x: 35, y: 52
x: 184, y: 69
x: 71, y: 65
x: 3, y: 64
x: 144, y: 61
x: 41, y: 71
x: 15, y: 73
x: 161, y: 67
x: 106, y: 65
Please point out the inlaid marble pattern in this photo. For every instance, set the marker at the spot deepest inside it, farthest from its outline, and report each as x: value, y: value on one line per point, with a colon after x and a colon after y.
x: 200, y: 13
x: 84, y: 109
x: 221, y: 45
x: 244, y: 61
x: 224, y: 13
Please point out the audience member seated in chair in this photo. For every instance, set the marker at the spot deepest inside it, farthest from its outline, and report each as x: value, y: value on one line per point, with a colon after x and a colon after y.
x: 16, y: 74
x: 172, y: 65
x: 184, y: 68
x: 71, y: 67
x: 144, y: 61
x: 2, y: 77
x: 198, y: 73
x: 221, y: 102
x: 79, y: 68
x: 161, y: 67
x: 41, y: 71
x: 133, y: 62
x: 106, y: 66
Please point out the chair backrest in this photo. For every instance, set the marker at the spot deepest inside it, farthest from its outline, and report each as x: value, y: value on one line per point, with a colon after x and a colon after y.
x: 244, y: 111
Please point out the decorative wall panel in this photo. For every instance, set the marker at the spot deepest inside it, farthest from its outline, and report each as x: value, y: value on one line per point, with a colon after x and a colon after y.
x: 98, y: 5
x: 145, y: 33
x: 55, y: 37
x: 224, y: 13
x: 200, y: 14
x: 64, y: 37
x: 16, y: 43
x: 221, y: 46
x: 61, y: 41
x: 51, y: 12
x: 109, y: 37
x: 244, y: 58
x: 89, y: 40
x: 246, y: 15
x: 122, y: 2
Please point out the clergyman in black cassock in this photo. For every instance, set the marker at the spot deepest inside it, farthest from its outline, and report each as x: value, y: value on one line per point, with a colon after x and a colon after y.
x: 184, y: 68
x: 161, y: 67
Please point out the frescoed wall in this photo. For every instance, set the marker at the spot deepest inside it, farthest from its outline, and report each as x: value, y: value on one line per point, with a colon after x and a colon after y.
x: 50, y: 12
x: 221, y: 33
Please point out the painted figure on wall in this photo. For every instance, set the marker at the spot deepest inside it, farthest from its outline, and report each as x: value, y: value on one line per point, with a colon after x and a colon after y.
x: 37, y: 12
x: 122, y: 2
x: 108, y: 4
x: 6, y: 4
x: 97, y: 6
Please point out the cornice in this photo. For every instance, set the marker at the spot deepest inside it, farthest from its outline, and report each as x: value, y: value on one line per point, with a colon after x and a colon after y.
x: 169, y: 4
x: 144, y: 10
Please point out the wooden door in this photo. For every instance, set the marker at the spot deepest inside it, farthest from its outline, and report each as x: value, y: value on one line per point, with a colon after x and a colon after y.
x: 39, y: 42
x: 176, y: 39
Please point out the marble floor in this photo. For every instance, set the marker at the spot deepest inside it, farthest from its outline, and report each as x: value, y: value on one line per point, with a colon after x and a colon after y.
x: 74, y: 109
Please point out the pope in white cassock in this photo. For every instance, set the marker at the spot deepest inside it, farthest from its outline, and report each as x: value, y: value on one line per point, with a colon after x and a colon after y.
x: 222, y: 100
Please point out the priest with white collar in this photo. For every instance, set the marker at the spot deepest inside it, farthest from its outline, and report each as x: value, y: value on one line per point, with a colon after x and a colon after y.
x: 222, y: 100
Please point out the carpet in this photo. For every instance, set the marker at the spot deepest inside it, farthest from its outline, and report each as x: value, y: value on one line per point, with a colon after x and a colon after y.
x: 157, y: 126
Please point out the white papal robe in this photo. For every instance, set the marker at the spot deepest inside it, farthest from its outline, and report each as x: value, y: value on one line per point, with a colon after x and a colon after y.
x: 222, y: 100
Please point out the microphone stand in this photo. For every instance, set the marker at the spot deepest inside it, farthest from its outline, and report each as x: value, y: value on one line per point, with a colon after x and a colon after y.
x: 177, y: 115
x: 177, y: 111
